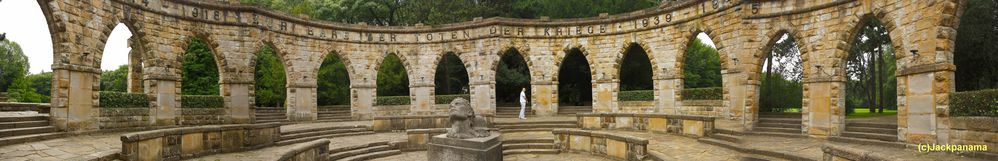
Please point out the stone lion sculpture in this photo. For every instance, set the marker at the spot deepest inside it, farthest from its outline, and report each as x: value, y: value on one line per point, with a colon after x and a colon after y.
x: 464, y: 123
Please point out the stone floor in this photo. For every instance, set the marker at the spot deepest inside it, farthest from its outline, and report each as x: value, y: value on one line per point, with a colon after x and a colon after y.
x: 421, y: 156
x: 273, y: 153
x: 62, y: 148
x: 684, y: 148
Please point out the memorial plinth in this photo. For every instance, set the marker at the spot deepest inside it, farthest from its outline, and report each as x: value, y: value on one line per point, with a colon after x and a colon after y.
x: 442, y: 148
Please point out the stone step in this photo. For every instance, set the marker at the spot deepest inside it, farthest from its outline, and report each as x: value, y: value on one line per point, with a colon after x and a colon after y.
x: 26, y: 131
x: 776, y: 134
x: 271, y: 113
x: 780, y: 120
x: 518, y: 141
x: 290, y: 132
x: 335, y: 118
x: 508, y: 146
x: 872, y: 125
x: 781, y: 115
x: 30, y: 138
x: 535, y: 122
x: 530, y: 151
x: 337, y: 115
x: 355, y: 147
x: 873, y: 136
x: 359, y: 151
x: 717, y: 142
x: 729, y: 132
x: 533, y: 126
x: 867, y: 141
x: 526, y: 130
x: 23, y: 124
x: 371, y: 156
x: 269, y: 121
x: 307, y: 139
x: 739, y: 148
x: 779, y: 130
x: 780, y: 125
x: 24, y: 118
x: 891, y: 131
x: 281, y: 117
x: 335, y: 112
x: 323, y: 132
x: 726, y: 137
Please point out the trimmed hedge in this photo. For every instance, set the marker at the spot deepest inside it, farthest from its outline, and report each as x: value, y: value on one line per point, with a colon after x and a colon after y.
x: 109, y: 99
x: 391, y: 100
x: 201, y: 101
x: 709, y: 93
x: 638, y: 95
x: 445, y: 99
x: 974, y: 103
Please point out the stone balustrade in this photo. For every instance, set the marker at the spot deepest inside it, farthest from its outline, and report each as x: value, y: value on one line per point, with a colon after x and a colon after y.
x: 398, y: 123
x: 190, y: 142
x: 14, y: 106
x: 616, y: 146
x: 696, y: 126
x: 309, y: 151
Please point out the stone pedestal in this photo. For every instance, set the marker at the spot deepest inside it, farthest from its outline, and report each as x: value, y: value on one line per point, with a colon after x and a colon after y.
x: 442, y: 148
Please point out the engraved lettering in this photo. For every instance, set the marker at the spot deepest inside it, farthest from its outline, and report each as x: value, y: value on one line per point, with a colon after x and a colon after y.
x: 393, y: 37
x: 519, y: 31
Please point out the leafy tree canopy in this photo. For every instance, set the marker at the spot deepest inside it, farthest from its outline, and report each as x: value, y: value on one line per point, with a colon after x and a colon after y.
x: 199, y: 73
x: 269, y: 78
x: 14, y: 66
x: 451, y: 76
x: 701, y: 66
x: 334, y: 83
x: 392, y: 77
x: 115, y: 80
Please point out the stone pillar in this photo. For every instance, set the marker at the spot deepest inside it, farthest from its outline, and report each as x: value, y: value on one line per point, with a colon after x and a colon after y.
x: 483, y: 98
x: 301, y: 103
x: 134, y: 67
x: 544, y: 98
x: 750, y: 113
x: 922, y: 105
x: 74, y: 98
x: 422, y: 99
x: 166, y: 106
x: 362, y: 101
x: 824, y: 108
x: 237, y: 102
x: 734, y: 86
x: 666, y: 94
x: 605, y: 95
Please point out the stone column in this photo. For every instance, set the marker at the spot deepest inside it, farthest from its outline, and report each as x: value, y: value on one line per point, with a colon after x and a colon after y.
x: 750, y: 113
x: 238, y: 104
x: 734, y: 86
x: 301, y: 103
x: 74, y: 98
x: 135, y: 67
x: 824, y: 107
x: 422, y: 99
x: 166, y: 105
x: 666, y: 94
x: 544, y: 98
x: 922, y: 105
x: 362, y: 100
x: 605, y: 95
x: 483, y: 98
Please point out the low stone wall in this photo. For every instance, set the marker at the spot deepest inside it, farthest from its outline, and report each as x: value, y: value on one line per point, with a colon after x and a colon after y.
x: 309, y: 151
x: 616, y: 146
x: 190, y: 142
x: 419, y: 137
x: 14, y: 106
x: 202, y: 116
x: 116, y: 118
x: 696, y: 126
x: 637, y: 106
x: 835, y: 152
x: 399, y: 123
x: 975, y: 131
x: 390, y: 110
x: 702, y: 107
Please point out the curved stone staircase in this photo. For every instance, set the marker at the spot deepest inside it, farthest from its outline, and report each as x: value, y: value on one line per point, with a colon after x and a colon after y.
x: 527, y: 126
x: 867, y: 133
x: 529, y: 146
x: 364, y: 152
x: 300, y: 136
x: 334, y: 114
x: 572, y: 110
x: 21, y: 129
x: 268, y: 115
x: 512, y: 112
x: 778, y: 124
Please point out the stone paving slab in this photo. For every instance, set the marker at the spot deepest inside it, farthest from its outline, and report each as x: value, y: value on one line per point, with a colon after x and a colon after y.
x: 62, y: 148
x: 527, y: 135
x: 683, y: 148
x: 811, y: 148
x: 421, y: 156
x: 274, y: 153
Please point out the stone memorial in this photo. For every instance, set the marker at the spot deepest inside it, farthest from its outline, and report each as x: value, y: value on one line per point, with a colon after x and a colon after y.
x: 468, y: 138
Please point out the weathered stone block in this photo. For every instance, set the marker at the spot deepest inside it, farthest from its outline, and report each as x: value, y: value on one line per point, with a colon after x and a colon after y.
x: 442, y: 148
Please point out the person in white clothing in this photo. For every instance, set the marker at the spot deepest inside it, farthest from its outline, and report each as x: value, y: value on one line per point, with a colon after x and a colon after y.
x: 523, y: 102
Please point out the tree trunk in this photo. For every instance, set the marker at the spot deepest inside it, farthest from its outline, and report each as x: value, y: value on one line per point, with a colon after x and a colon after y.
x: 871, y: 84
x: 767, y: 81
x: 880, y: 84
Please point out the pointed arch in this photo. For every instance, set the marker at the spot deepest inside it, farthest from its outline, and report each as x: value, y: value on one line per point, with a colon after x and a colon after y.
x: 442, y: 73
x: 386, y: 88
x: 575, y: 86
x: 506, y: 91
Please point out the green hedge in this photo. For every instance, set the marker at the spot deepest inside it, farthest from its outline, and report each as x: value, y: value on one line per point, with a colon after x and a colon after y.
x: 445, y: 99
x: 391, y: 100
x: 110, y: 99
x: 974, y: 103
x: 201, y: 101
x: 709, y: 93
x: 638, y: 95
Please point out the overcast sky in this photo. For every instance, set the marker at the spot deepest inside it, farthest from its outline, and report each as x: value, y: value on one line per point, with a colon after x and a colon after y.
x: 24, y: 23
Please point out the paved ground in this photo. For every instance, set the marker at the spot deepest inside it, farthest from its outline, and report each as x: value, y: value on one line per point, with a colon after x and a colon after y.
x: 62, y: 148
x: 421, y: 156
x: 683, y: 148
x: 273, y: 153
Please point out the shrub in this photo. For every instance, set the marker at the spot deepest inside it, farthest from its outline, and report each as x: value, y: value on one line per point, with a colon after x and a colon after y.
x: 392, y: 100
x: 446, y: 99
x: 710, y: 93
x: 637, y: 95
x: 974, y: 103
x: 110, y: 99
x: 201, y: 101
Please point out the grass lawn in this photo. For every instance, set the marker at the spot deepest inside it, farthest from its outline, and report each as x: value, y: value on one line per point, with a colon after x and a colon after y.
x: 865, y: 112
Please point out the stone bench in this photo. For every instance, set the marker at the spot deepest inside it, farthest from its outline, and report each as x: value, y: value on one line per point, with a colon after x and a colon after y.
x: 616, y: 146
x: 399, y: 123
x: 190, y: 142
x: 309, y: 151
x: 688, y: 125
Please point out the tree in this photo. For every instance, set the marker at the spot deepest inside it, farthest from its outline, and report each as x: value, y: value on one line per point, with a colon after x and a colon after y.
x: 41, y: 83
x: 392, y: 77
x: 701, y: 66
x: 199, y: 73
x: 867, y: 69
x: 333, y: 81
x: 781, y: 78
x: 269, y: 78
x: 115, y: 80
x: 635, y: 70
x: 975, y: 47
x: 451, y: 77
x: 15, y: 63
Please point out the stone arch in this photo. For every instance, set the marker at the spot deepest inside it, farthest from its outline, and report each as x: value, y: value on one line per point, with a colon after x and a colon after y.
x: 406, y: 66
x: 438, y: 58
x: 343, y: 57
x: 619, y: 58
x: 212, y: 43
x: 856, y: 23
x: 772, y: 36
x: 279, y: 50
x: 590, y: 58
x: 522, y: 50
x: 685, y: 43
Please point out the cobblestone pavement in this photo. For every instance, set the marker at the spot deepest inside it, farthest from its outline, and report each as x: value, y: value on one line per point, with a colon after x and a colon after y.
x: 421, y: 156
x: 274, y: 153
x: 62, y: 148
